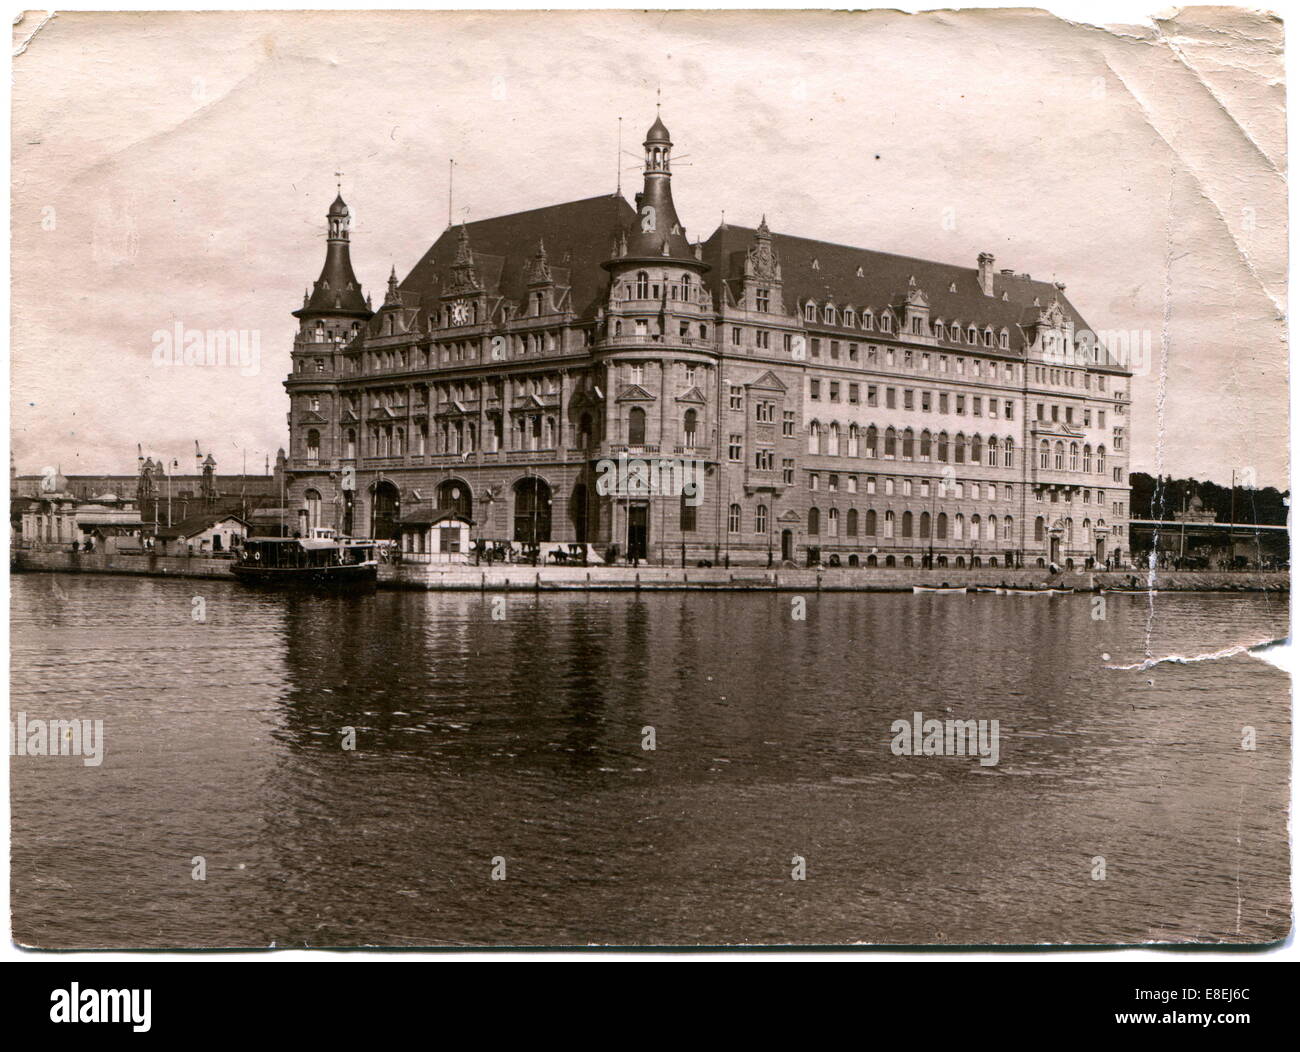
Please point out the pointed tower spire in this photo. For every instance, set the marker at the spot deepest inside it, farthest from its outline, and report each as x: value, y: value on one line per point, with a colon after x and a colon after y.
x: 393, y: 297
x: 657, y: 231
x: 464, y: 272
x: 337, y: 290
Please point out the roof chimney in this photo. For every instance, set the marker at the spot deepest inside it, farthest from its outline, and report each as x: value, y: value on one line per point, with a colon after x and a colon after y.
x: 986, y: 273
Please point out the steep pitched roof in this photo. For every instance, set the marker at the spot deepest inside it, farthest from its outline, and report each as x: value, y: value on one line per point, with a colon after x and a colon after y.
x: 578, y: 236
x: 866, y: 279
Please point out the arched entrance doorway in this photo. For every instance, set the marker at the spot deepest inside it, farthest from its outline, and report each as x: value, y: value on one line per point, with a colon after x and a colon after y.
x: 454, y: 495
x: 384, y: 502
x: 532, y: 510
x: 578, y: 512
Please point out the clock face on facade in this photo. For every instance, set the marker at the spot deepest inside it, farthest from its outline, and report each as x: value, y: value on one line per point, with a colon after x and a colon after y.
x: 459, y: 312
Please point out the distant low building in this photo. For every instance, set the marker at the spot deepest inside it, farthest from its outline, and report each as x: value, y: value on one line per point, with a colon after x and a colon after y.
x: 207, y: 533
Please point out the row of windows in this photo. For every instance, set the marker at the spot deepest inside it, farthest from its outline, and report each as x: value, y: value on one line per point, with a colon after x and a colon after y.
x: 871, y: 443
x: 848, y: 318
x: 924, y: 400
x: 957, y: 527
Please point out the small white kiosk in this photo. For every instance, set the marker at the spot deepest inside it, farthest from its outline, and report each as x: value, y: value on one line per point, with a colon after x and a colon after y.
x: 435, y: 535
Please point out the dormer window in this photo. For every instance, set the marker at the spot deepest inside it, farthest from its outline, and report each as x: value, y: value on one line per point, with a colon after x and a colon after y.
x: 810, y: 312
x: 763, y: 299
x: 955, y: 333
x: 868, y: 320
x: 1004, y: 341
x: 938, y: 329
x: 988, y: 337
x: 971, y: 335
x: 828, y: 314
x: 885, y: 325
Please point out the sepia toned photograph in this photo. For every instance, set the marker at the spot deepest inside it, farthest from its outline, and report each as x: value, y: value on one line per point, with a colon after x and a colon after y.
x: 608, y: 479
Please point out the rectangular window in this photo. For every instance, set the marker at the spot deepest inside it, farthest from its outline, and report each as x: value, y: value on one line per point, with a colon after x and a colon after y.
x: 943, y: 402
x: 891, y: 398
x: 814, y: 389
x: 835, y: 349
x: 787, y: 423
x: 787, y: 472
x: 816, y: 347
x: 735, y: 336
x: 835, y: 391
x: 735, y: 396
x: 853, y: 394
x: 907, y: 398
x: 734, y: 449
x: 961, y: 405
x: 762, y: 299
x: 872, y: 395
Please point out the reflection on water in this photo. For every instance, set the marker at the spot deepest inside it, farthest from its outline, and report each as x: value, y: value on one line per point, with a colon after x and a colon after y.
x: 521, y: 738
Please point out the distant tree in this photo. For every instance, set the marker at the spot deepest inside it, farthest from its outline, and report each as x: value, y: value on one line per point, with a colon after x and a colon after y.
x: 1163, y: 496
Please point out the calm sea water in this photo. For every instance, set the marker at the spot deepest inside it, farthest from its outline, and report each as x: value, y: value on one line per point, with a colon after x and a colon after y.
x: 521, y: 739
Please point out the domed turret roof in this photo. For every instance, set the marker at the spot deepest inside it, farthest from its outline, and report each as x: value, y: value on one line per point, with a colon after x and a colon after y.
x: 339, y: 207
x: 658, y: 132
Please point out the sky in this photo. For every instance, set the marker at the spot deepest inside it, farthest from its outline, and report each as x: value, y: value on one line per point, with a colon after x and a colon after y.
x: 176, y: 169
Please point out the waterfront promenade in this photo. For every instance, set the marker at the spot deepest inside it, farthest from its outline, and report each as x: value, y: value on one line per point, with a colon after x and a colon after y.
x: 520, y: 578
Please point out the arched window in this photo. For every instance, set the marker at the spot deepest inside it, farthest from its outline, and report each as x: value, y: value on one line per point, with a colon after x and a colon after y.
x: 959, y: 449
x: 942, y: 454
x: 584, y: 430
x: 1008, y: 453
x: 1060, y: 456
x: 814, y: 522
x: 925, y: 525
x: 1101, y: 459
x: 313, y: 446
x: 350, y: 444
x: 1008, y: 528
x: 642, y: 285
x: 872, y: 439
x: 991, y: 528
x: 889, y: 524
x: 993, y: 452
x: 636, y: 426
x: 851, y: 522
x: 833, y: 522
x: 688, y: 426
x: 733, y: 519
x: 976, y: 449
x: 958, y: 526
x: 399, y: 441
x: 1087, y: 458
x: 1040, y: 529
x: 814, y: 437
x: 908, y: 444
x: 760, y: 519
x: 941, y: 526
x: 833, y: 447
x: 854, y: 440
x: 974, y: 528
x: 891, y: 443
x: 869, y: 523
x: 312, y: 500
x: 1043, y: 454
x: 925, y: 445
x: 907, y: 524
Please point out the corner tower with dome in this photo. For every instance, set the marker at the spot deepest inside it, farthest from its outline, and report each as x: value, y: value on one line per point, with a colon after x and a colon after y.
x: 838, y: 405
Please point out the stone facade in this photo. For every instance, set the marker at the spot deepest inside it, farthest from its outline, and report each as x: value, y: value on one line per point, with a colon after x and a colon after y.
x: 832, y: 403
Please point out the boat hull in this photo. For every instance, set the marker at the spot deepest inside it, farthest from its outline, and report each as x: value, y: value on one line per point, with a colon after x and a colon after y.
x: 312, y: 577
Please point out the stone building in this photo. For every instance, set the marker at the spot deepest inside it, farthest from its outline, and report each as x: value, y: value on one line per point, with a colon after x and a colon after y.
x: 835, y: 404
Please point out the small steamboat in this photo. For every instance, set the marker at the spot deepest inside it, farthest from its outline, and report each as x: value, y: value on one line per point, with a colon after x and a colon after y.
x: 319, y: 561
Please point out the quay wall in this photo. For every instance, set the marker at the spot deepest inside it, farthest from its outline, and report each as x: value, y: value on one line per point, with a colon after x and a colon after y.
x: 651, y: 578
x: 138, y: 565
x: 444, y: 577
